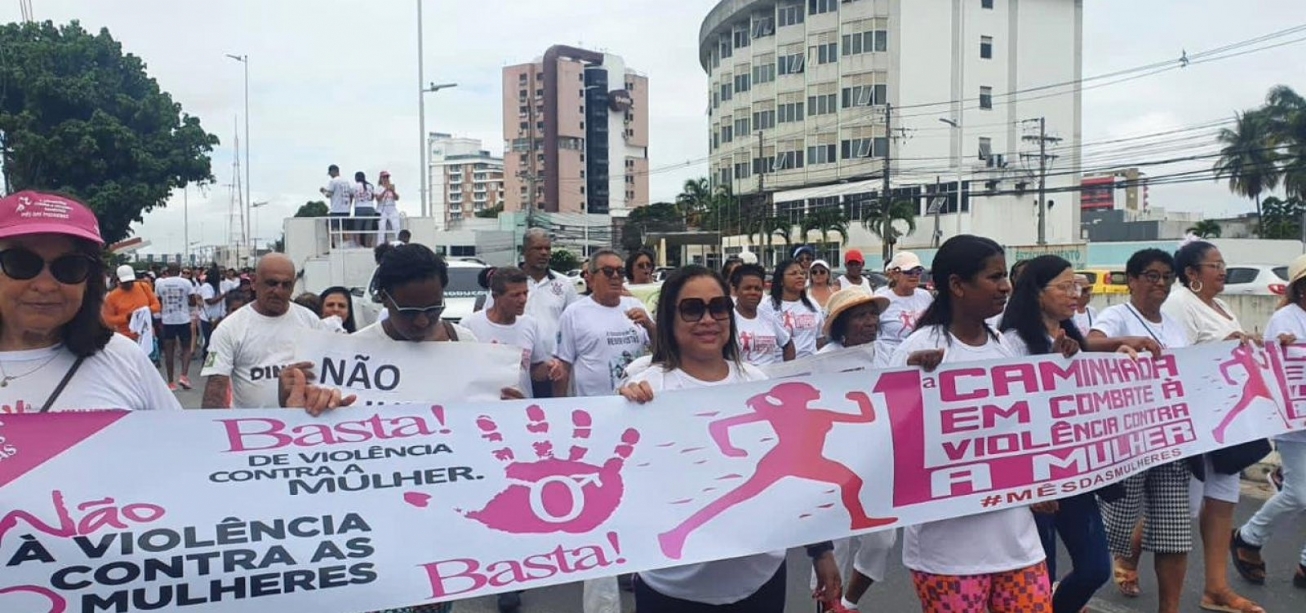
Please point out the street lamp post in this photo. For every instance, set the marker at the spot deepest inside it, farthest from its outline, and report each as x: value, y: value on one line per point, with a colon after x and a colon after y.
x: 244, y: 60
x: 961, y: 144
x: 428, y: 89
x: 254, y: 228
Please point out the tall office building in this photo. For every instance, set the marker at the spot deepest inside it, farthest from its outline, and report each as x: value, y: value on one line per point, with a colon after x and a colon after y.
x: 575, y: 127
x: 464, y: 178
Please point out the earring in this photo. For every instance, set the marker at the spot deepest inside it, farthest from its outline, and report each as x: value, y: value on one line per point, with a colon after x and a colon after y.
x: 1196, y: 286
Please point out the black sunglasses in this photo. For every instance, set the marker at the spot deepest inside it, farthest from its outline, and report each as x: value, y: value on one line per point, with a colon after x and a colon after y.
x: 24, y: 264
x: 431, y: 312
x: 691, y: 309
x: 613, y: 273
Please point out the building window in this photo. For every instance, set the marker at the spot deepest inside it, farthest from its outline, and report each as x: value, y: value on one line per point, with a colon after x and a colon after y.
x: 762, y: 165
x: 521, y: 77
x: 786, y: 160
x: 792, y: 64
x: 741, y: 38
x: 985, y: 147
x: 726, y: 50
x: 742, y: 82
x: 866, y: 42
x: 821, y: 154
x: 986, y: 4
x: 986, y: 47
x: 864, y: 95
x: 816, y: 7
x: 743, y: 170
x: 763, y: 120
x: 764, y: 73
x: 791, y: 14
x: 822, y: 104
x: 789, y: 112
x: 727, y: 134
x: 855, y: 148
x: 826, y: 53
x: 741, y: 126
x: 764, y: 26
x: 986, y: 98
x: 727, y: 91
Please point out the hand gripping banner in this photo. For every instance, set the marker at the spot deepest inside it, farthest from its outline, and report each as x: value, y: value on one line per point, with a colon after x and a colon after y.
x: 383, y: 506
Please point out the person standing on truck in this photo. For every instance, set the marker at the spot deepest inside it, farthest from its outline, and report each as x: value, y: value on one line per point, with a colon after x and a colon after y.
x: 340, y: 192
x: 386, y: 197
x: 364, y: 209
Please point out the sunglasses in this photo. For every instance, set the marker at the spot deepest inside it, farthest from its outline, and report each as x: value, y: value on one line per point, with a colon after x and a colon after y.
x: 431, y: 312
x: 692, y: 309
x: 23, y: 264
x: 913, y: 272
x: 613, y: 272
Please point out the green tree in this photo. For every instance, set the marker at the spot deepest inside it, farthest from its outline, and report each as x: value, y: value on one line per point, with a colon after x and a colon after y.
x: 886, y: 223
x: 81, y: 117
x: 655, y: 217
x: 490, y: 213
x: 1281, y: 218
x: 1286, y: 112
x: 1247, y: 157
x: 695, y: 200
x: 827, y: 220
x: 563, y: 260
x: 313, y: 208
x: 1206, y: 228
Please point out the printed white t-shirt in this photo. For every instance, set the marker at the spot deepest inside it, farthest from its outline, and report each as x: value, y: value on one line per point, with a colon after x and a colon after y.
x: 120, y: 376
x: 718, y: 582
x: 377, y: 330
x: 341, y: 192
x: 845, y: 283
x: 599, y: 342
x: 1084, y: 321
x: 546, y: 300
x: 210, y: 312
x: 898, y: 320
x: 761, y: 339
x: 804, y: 324
x: 385, y: 200
x: 524, y: 333
x: 1202, y: 323
x: 994, y: 542
x: 1124, y: 320
x: 174, y: 299
x: 1290, y: 319
x: 364, y: 196
x: 251, y: 348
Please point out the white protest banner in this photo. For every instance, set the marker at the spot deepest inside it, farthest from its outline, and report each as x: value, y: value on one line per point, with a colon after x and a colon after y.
x: 848, y: 359
x: 376, y: 507
x: 381, y: 371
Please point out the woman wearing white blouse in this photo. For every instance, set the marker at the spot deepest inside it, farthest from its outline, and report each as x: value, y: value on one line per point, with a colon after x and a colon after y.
x: 1207, y: 319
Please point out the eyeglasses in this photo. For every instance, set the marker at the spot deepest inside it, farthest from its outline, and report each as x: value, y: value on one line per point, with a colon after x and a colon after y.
x: 1069, y: 288
x: 613, y: 272
x: 820, y: 271
x: 913, y: 272
x: 431, y: 312
x: 24, y: 264
x: 1217, y: 266
x: 692, y: 309
x: 1152, y: 276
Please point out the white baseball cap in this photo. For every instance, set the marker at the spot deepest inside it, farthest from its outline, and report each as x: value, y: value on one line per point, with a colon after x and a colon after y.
x: 748, y: 257
x: 904, y: 260
x: 126, y: 273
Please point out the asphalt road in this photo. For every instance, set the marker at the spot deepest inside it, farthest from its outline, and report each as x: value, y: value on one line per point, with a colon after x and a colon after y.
x: 895, y: 594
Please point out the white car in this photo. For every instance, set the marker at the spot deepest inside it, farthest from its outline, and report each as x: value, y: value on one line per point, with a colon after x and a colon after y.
x: 1256, y: 279
x: 459, y: 295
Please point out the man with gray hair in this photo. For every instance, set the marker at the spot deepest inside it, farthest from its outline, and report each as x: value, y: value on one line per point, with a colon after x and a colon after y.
x: 505, y: 323
x: 601, y: 335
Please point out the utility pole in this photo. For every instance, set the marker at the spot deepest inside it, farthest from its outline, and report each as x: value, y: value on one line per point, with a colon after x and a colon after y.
x: 1043, y: 157
x: 884, y: 191
x: 760, y: 201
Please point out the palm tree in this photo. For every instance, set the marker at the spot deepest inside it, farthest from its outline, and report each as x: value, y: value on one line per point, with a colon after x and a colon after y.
x: 825, y: 221
x: 881, y: 221
x: 694, y: 200
x: 1247, y: 158
x: 1286, y: 111
x: 1206, y: 228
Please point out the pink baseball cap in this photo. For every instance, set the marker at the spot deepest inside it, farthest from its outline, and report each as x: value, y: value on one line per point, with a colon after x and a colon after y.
x: 30, y: 212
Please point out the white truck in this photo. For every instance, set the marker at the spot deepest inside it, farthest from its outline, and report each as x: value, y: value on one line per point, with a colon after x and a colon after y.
x: 320, y: 265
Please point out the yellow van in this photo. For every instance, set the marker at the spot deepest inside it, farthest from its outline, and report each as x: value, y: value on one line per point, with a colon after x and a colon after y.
x: 1106, y: 281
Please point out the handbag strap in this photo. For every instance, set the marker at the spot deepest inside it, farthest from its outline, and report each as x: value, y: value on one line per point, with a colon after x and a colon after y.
x: 49, y: 402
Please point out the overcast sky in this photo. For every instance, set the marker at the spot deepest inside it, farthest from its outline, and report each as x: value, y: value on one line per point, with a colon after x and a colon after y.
x: 333, y: 81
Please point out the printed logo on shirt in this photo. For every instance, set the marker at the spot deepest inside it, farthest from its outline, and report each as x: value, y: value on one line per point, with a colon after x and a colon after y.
x: 802, y: 321
x: 750, y: 342
x: 625, y: 337
x: 211, y: 359
x: 259, y: 373
x: 908, y: 319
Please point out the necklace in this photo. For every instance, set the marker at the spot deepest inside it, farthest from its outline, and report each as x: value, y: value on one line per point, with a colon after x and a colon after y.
x: 5, y: 377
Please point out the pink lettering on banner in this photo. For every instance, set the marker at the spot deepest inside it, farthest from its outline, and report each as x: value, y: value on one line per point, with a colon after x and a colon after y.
x: 51, y: 600
x: 449, y: 578
x: 32, y: 439
x: 549, y: 493
x: 800, y: 431
x: 263, y: 433
x: 1290, y: 371
x: 94, y: 515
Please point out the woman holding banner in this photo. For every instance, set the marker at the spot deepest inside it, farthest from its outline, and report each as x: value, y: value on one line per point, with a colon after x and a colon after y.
x: 991, y: 562
x: 56, y: 352
x: 1287, y: 325
x: 1039, y: 320
x: 1207, y: 319
x: 695, y: 348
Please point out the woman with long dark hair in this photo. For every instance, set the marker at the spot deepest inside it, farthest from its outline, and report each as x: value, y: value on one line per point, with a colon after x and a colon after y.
x: 695, y: 348
x: 639, y: 267
x: 364, y: 210
x: 790, y: 304
x: 994, y: 561
x: 212, y: 306
x: 1039, y: 320
x: 339, y: 302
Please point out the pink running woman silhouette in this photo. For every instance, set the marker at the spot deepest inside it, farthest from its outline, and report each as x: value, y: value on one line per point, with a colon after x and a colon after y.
x: 1243, y: 356
x: 800, y: 432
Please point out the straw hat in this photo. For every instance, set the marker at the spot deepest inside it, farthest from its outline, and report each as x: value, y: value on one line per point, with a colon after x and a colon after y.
x: 848, y: 298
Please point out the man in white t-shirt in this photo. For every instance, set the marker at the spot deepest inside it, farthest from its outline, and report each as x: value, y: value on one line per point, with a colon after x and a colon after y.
x: 853, y: 263
x: 599, y: 336
x: 252, y: 345
x: 506, y: 323
x: 176, y: 296
x: 340, y: 191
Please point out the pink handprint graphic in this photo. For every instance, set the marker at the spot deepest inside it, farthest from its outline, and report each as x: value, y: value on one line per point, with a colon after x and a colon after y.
x: 800, y: 432
x: 548, y: 493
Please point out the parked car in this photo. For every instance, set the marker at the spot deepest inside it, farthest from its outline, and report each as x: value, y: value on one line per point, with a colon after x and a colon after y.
x: 459, y: 296
x: 1106, y: 281
x: 1256, y: 279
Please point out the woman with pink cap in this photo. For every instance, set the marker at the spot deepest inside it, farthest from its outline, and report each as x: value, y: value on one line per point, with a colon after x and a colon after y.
x: 56, y: 352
